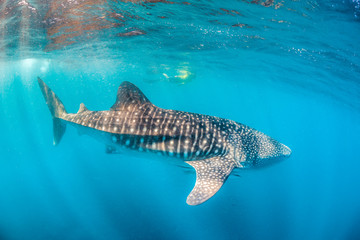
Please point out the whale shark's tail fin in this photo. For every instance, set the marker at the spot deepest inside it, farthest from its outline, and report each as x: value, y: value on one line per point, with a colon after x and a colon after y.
x: 57, y: 110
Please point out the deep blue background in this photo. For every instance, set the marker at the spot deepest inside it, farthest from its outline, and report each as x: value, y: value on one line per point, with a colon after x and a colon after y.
x: 297, y: 83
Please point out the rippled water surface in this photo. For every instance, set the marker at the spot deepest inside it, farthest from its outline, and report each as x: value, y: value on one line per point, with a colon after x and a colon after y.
x: 290, y: 69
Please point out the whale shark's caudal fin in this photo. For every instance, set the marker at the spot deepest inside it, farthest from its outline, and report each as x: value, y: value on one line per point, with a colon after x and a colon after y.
x: 57, y: 110
x: 211, y: 174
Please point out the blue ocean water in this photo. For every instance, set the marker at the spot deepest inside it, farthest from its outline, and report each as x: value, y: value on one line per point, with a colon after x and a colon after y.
x: 290, y: 69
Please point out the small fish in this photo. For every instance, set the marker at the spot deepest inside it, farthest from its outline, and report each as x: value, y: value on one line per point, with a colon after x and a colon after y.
x: 212, y: 146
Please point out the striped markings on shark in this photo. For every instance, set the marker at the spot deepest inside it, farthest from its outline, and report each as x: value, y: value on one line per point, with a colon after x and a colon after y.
x: 212, y: 146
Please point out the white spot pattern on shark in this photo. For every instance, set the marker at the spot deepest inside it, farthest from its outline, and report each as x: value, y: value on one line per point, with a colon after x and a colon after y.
x: 212, y: 146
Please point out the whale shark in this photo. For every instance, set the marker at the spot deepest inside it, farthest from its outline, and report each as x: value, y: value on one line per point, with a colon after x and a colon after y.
x: 213, y: 146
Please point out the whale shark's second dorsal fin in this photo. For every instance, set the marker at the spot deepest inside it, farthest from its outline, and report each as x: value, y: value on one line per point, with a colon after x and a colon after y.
x: 82, y: 108
x: 211, y: 174
x: 129, y: 95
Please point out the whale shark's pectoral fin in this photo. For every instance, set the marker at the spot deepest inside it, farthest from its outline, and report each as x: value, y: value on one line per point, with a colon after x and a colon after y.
x: 210, y: 176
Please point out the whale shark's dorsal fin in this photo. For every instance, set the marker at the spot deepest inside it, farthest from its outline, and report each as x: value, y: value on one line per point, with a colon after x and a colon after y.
x: 211, y: 174
x: 129, y: 95
x: 82, y: 108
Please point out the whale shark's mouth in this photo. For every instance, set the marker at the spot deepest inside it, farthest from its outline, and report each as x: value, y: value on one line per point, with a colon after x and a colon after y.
x: 287, y: 151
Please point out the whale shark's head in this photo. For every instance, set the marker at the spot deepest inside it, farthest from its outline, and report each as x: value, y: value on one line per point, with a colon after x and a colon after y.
x: 255, y: 149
